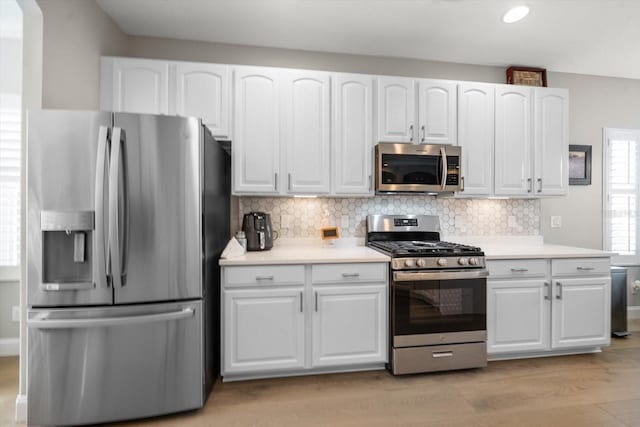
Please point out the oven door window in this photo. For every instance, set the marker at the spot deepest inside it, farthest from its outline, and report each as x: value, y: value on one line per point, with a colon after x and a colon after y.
x: 429, y: 307
x: 411, y: 169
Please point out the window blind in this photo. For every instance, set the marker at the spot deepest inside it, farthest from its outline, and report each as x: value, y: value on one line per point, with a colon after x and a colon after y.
x: 10, y: 125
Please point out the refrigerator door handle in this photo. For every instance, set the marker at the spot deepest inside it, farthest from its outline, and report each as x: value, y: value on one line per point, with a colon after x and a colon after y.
x: 114, y: 208
x: 101, y: 260
x: 99, y: 322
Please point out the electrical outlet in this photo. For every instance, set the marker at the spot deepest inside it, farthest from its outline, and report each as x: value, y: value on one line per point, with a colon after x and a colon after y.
x: 285, y: 221
x: 556, y: 221
x: 15, y: 313
x: 511, y: 221
x: 345, y: 222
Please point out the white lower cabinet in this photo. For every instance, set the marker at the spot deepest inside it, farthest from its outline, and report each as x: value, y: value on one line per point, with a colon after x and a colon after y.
x: 581, y: 312
x: 518, y: 316
x: 349, y: 325
x: 294, y: 319
x: 553, y: 311
x: 263, y: 329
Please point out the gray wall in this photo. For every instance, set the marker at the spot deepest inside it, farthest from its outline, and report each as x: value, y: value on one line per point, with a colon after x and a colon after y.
x: 76, y: 34
x: 596, y: 102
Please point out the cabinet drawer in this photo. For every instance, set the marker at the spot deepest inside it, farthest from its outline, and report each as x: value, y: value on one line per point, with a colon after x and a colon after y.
x: 264, y: 275
x: 340, y: 273
x: 580, y: 267
x: 514, y: 268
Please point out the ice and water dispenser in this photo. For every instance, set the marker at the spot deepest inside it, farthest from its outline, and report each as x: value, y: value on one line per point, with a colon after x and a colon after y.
x: 67, y: 249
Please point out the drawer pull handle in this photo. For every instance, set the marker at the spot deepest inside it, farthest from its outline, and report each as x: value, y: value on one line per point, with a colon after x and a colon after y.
x: 586, y: 268
x: 259, y: 278
x: 351, y: 275
x: 519, y: 270
x: 438, y: 354
x: 547, y: 294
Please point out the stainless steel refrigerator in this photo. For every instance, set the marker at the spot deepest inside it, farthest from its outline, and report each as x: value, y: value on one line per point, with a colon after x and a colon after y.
x: 126, y: 216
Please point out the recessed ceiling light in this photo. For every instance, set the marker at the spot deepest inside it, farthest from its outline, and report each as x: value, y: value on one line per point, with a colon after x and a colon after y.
x: 515, y: 14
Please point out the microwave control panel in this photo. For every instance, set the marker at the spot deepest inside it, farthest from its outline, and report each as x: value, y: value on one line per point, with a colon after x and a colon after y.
x: 453, y: 170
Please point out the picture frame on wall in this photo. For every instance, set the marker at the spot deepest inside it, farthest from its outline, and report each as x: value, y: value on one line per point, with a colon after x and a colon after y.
x: 579, y: 165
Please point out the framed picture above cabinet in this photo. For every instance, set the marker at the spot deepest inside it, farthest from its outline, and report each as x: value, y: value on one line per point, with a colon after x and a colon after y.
x: 579, y: 165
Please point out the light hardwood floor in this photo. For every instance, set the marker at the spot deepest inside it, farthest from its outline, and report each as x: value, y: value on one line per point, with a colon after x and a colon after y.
x: 585, y: 390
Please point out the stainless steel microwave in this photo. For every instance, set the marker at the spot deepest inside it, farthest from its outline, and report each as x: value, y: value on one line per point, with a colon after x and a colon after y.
x: 409, y: 168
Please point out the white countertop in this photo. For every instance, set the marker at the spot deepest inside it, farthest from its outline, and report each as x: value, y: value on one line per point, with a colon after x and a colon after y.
x: 310, y: 251
x: 345, y: 250
x: 519, y: 247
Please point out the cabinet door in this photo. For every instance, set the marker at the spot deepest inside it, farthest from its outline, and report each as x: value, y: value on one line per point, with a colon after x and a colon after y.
x: 518, y: 315
x: 256, y: 147
x: 551, y: 141
x: 306, y: 131
x: 581, y: 312
x: 349, y: 325
x: 437, y: 112
x: 513, y: 141
x: 263, y: 330
x: 396, y: 98
x: 202, y: 90
x: 135, y: 85
x: 352, y: 126
x: 475, y: 136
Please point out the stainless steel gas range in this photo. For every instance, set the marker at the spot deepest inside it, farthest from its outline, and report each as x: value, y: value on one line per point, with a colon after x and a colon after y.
x: 437, y: 298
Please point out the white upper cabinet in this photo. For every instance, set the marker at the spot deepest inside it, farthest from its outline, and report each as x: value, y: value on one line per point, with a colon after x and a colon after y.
x: 134, y: 85
x: 475, y: 136
x: 396, y: 99
x: 306, y: 131
x: 513, y: 141
x: 437, y: 121
x: 202, y: 90
x: 256, y: 144
x: 551, y: 141
x: 352, y: 128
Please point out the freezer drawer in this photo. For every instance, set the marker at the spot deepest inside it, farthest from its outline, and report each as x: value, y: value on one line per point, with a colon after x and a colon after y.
x: 108, y: 364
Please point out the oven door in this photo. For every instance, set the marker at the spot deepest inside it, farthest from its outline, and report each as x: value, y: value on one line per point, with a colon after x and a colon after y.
x: 417, y: 168
x: 439, y: 310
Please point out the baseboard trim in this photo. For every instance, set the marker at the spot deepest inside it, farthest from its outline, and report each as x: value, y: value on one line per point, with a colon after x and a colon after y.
x: 633, y: 312
x: 21, y: 408
x: 302, y: 372
x: 9, y: 347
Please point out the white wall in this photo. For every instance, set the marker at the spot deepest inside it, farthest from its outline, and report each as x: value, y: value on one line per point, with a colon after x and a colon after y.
x: 76, y: 34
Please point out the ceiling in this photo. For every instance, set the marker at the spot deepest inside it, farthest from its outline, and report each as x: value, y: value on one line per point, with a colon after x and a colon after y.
x: 600, y: 37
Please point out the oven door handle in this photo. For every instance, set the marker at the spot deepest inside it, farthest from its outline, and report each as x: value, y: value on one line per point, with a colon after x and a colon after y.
x: 403, y: 276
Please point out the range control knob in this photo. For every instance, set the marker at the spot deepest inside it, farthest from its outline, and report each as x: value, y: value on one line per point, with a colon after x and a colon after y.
x: 442, y: 262
x: 421, y: 262
x: 473, y: 261
x: 410, y: 263
x: 462, y: 261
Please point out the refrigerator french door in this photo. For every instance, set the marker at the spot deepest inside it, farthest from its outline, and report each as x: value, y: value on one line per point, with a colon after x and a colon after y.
x: 116, y: 255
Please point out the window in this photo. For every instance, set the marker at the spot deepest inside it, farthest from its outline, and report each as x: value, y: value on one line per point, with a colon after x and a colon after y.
x: 10, y: 137
x: 622, y: 150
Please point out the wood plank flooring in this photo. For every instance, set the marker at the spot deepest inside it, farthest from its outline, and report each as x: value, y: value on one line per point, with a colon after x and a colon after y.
x: 586, y: 390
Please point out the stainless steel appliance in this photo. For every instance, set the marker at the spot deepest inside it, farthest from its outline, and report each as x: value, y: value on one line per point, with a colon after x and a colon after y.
x: 126, y: 216
x: 619, y: 327
x: 438, y: 292
x: 408, y: 168
x: 258, y: 230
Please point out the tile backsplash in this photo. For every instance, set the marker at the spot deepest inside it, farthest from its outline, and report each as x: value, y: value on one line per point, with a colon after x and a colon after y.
x: 457, y: 216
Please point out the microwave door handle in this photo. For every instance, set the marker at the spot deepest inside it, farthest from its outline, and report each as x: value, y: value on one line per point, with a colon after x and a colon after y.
x: 443, y: 155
